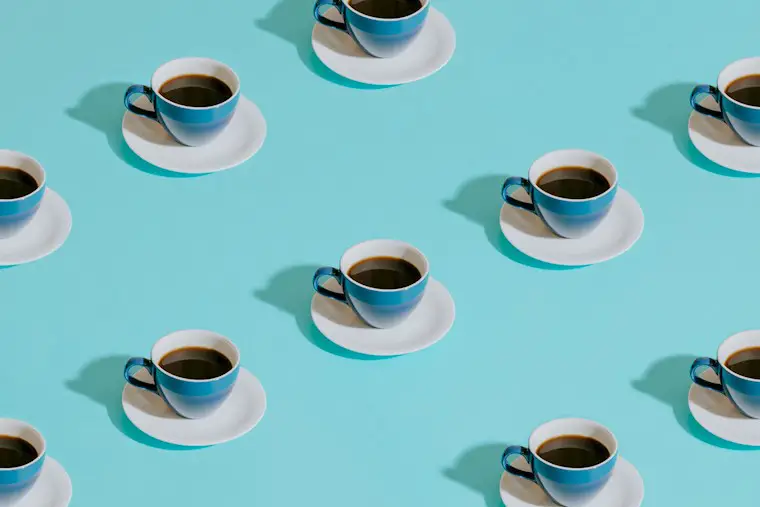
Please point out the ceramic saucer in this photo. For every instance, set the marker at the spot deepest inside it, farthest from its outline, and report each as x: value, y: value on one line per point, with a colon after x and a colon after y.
x: 43, y: 235
x: 625, y: 489
x: 237, y: 416
x: 716, y: 141
x: 428, y: 54
x: 615, y: 235
x: 429, y: 322
x: 52, y: 489
x: 715, y: 413
x: 242, y: 138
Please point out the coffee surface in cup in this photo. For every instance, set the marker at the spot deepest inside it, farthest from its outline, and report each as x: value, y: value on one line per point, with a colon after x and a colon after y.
x: 16, y: 452
x: 573, y: 451
x: 196, y: 90
x: 15, y: 183
x: 385, y: 273
x: 387, y: 9
x: 195, y: 363
x: 573, y: 182
x: 746, y: 90
x: 745, y: 362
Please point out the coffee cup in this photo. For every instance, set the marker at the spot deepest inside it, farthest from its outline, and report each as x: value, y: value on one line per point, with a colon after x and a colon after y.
x: 194, y: 99
x: 22, y: 186
x: 194, y: 371
x: 571, y: 191
x: 382, y: 281
x: 554, y: 454
x: 19, y: 469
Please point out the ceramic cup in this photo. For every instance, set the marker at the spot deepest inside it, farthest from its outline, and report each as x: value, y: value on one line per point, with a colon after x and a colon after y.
x: 379, y: 37
x: 380, y: 308
x: 568, y: 218
x: 569, y: 487
x: 192, y: 399
x: 744, y: 392
x: 15, y: 214
x: 16, y: 482
x: 743, y: 119
x: 191, y: 126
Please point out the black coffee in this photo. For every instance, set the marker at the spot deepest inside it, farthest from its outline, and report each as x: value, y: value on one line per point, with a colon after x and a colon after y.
x: 745, y: 362
x: 745, y: 90
x: 196, y: 90
x: 15, y: 183
x: 573, y: 182
x: 385, y: 273
x: 573, y: 451
x: 389, y: 9
x: 196, y: 363
x: 16, y: 452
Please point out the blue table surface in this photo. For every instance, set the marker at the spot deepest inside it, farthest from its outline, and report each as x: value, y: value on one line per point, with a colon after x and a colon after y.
x: 234, y: 252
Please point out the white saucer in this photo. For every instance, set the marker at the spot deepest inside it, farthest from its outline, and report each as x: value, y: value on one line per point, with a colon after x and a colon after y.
x: 429, y: 322
x: 615, y: 235
x: 45, y: 234
x: 242, y: 138
x: 716, y: 141
x: 715, y: 413
x: 625, y: 489
x: 239, y: 414
x: 52, y: 489
x: 428, y: 54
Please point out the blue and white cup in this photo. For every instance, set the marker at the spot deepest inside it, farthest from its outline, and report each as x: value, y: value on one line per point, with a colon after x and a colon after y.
x: 378, y: 37
x: 189, y: 398
x: 744, y: 392
x: 379, y: 308
x: 569, y: 487
x: 15, y: 214
x: 16, y: 482
x: 743, y: 119
x: 568, y: 218
x: 191, y: 126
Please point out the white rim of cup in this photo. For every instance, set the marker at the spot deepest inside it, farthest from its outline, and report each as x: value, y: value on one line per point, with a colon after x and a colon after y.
x: 424, y: 4
x: 156, y: 89
x: 613, y: 184
x: 725, y: 343
x: 411, y: 247
x: 40, y: 454
x: 158, y: 360
x: 539, y: 458
x: 722, y: 89
x: 40, y: 185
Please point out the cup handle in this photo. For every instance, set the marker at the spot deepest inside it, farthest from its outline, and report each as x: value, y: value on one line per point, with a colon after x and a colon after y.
x: 708, y: 362
x: 140, y: 362
x: 338, y: 25
x: 335, y: 273
x: 709, y: 90
x: 144, y: 90
x: 515, y: 450
x: 516, y: 181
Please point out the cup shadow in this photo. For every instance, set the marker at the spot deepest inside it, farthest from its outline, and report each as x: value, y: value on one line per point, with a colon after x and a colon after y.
x: 668, y: 108
x: 667, y: 381
x: 102, y: 382
x: 290, y: 291
x: 478, y: 469
x: 102, y: 108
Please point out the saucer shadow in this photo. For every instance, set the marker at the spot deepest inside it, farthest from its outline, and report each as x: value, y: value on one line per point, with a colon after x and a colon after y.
x: 667, y: 380
x: 668, y: 108
x: 479, y: 470
x: 479, y: 201
x: 102, y: 108
x: 290, y: 291
x: 102, y: 381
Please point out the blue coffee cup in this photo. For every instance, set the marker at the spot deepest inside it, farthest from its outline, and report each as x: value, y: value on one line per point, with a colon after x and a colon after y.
x: 189, y: 398
x: 16, y: 482
x: 568, y: 218
x: 743, y: 119
x: 378, y: 37
x: 744, y: 392
x: 379, y: 308
x: 191, y: 126
x: 15, y: 214
x: 568, y: 487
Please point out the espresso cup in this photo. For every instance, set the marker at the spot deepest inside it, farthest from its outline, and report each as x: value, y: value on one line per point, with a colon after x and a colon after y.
x: 189, y: 398
x: 15, y: 214
x: 744, y: 392
x: 191, y: 126
x: 569, y: 487
x: 568, y: 218
x: 378, y: 37
x: 16, y: 482
x: 743, y: 119
x: 379, y: 308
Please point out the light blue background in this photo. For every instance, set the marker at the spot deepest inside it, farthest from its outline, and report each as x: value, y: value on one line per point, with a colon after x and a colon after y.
x: 234, y: 252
